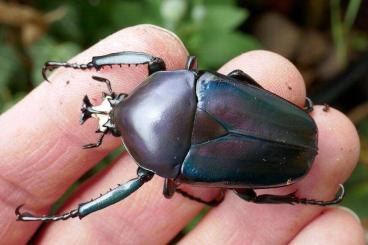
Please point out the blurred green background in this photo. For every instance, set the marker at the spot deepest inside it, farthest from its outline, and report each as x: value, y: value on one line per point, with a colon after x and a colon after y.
x: 326, y: 39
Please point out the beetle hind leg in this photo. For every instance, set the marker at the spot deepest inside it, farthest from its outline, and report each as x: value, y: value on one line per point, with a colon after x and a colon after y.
x: 251, y: 196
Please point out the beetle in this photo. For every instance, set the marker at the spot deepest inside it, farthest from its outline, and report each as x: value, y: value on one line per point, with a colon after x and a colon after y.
x: 199, y: 127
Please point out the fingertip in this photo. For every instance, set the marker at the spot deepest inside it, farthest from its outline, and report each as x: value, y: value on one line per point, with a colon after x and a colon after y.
x: 273, y: 72
x: 339, y: 145
x: 333, y: 226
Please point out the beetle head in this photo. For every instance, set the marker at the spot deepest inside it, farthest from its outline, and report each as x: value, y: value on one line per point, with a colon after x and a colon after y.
x: 102, y: 112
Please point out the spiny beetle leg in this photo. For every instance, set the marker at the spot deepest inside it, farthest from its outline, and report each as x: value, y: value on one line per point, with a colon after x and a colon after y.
x: 251, y: 196
x: 122, y: 58
x: 115, y: 195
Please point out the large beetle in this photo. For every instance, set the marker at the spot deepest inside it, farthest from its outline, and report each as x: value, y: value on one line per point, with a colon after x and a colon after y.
x: 201, y: 128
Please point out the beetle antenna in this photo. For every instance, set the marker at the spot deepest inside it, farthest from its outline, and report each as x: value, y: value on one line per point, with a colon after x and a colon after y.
x: 30, y: 217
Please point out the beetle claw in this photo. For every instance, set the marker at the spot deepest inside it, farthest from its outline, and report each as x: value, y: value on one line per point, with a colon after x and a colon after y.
x: 23, y: 216
x: 89, y: 146
x: 18, y: 214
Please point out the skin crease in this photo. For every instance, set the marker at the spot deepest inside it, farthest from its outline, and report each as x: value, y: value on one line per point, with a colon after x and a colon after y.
x: 43, y: 160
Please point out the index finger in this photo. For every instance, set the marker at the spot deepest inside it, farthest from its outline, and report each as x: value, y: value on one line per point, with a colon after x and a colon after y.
x: 44, y: 155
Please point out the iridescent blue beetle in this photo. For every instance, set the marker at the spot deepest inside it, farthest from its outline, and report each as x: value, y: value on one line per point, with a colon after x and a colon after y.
x: 202, y: 128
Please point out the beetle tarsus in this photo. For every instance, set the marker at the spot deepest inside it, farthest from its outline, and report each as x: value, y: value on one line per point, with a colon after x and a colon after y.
x: 338, y: 198
x: 308, y: 105
x: 191, y: 64
x: 30, y: 217
x: 97, y: 144
x: 213, y: 203
x: 52, y: 65
x: 251, y: 196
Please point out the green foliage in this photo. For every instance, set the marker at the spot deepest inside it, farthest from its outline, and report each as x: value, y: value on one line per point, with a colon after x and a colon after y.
x: 341, y: 28
x: 357, y: 189
x: 357, y: 185
x: 208, y: 29
x: 48, y: 49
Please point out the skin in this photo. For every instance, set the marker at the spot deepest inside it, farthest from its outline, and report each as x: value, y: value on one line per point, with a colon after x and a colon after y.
x: 45, y: 157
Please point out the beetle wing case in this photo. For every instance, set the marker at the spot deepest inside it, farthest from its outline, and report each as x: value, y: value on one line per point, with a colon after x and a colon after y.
x: 268, y: 141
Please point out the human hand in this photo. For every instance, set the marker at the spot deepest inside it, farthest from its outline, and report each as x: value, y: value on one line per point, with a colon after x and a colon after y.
x: 45, y: 157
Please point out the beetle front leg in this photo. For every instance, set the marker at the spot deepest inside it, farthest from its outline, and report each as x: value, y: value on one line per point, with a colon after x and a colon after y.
x: 122, y: 58
x: 251, y: 196
x: 111, y: 197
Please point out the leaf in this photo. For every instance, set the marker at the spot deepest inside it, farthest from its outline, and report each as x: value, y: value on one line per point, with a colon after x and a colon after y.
x: 215, y: 50
x: 47, y: 49
x: 67, y: 28
x: 357, y: 191
x: 132, y: 13
x: 8, y: 63
x: 223, y: 17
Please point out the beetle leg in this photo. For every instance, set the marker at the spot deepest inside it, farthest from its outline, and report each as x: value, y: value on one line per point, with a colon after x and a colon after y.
x: 104, y: 80
x: 122, y: 58
x: 213, y: 203
x: 115, y: 195
x: 242, y: 76
x: 52, y: 65
x: 251, y: 196
x: 169, y: 188
x: 97, y: 144
x: 308, y: 105
x: 191, y: 64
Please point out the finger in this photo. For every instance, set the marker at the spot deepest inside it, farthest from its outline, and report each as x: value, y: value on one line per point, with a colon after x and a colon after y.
x: 235, y: 220
x: 334, y: 226
x: 145, y: 217
x: 44, y: 155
